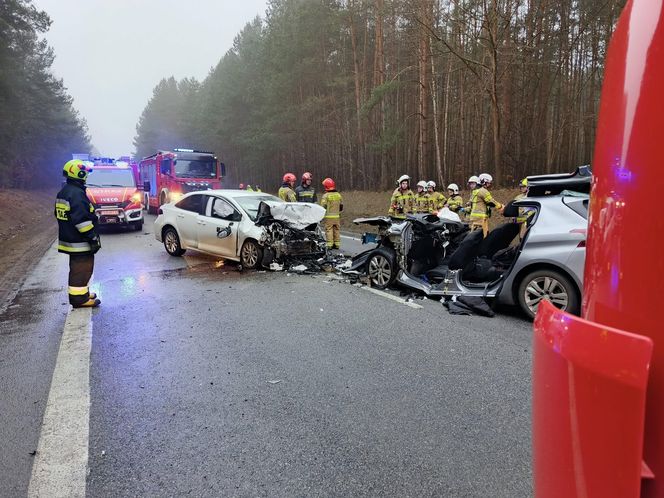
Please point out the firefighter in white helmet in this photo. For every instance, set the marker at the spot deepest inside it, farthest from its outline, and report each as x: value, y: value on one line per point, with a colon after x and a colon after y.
x: 422, y: 198
x: 436, y: 199
x: 481, y: 204
x: 454, y: 201
x: 403, y: 199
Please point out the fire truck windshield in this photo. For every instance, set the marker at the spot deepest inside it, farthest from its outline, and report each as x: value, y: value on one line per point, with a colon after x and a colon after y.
x: 186, y: 168
x: 111, y: 178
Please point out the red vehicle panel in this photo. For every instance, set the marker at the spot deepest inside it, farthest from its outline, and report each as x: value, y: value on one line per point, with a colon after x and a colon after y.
x: 114, y: 195
x: 167, y: 175
x: 623, y: 287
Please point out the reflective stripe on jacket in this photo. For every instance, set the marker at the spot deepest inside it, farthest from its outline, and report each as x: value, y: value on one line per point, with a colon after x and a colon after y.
x: 286, y: 194
x: 436, y: 201
x: 333, y: 204
x: 422, y: 202
x: 482, y: 202
x: 76, y: 219
x: 401, y: 203
x: 305, y: 194
x: 454, y: 203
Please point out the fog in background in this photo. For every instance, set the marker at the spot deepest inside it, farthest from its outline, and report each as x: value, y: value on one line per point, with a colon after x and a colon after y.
x: 111, y: 53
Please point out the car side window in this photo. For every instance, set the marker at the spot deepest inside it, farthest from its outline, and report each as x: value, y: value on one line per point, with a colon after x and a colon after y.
x: 223, y: 210
x: 192, y: 203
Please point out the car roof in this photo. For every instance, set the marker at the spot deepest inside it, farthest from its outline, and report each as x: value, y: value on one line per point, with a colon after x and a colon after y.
x: 235, y: 193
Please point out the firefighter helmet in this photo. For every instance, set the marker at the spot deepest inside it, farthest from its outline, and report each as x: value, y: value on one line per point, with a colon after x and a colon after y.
x: 473, y: 179
x: 524, y: 183
x: 403, y: 178
x: 485, y: 178
x: 289, y: 177
x: 453, y: 187
x: 307, y: 176
x: 431, y: 184
x: 329, y: 184
x: 422, y: 184
x: 241, y: 186
x: 76, y: 170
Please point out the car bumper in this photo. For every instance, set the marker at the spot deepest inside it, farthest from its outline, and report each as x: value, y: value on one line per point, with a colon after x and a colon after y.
x: 119, y: 216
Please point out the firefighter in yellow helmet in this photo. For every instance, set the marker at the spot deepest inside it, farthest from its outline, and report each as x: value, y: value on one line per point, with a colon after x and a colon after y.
x: 524, y: 212
x: 454, y: 201
x: 333, y: 204
x: 481, y: 203
x: 403, y: 199
x: 436, y: 199
x: 286, y: 192
x: 77, y: 236
x: 422, y: 198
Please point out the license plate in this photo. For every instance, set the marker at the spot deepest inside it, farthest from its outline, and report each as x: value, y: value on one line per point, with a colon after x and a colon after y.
x: 109, y: 213
x: 111, y: 220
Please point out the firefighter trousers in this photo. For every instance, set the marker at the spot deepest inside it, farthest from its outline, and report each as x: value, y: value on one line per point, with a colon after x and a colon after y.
x: 80, y: 273
x: 333, y: 234
x: 482, y: 224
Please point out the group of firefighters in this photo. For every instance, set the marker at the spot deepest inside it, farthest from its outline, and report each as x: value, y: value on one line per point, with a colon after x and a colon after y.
x: 427, y: 200
x: 78, y: 237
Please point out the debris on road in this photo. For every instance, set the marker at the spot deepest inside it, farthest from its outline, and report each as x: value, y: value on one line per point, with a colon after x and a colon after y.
x: 274, y: 381
x: 276, y: 267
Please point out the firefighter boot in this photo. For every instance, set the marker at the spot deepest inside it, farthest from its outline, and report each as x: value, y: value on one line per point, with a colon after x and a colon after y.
x: 93, y: 302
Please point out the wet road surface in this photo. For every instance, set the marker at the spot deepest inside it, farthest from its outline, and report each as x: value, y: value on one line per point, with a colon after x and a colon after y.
x: 207, y: 381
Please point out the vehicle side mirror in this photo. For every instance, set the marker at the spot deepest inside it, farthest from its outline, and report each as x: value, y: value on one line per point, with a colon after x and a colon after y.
x: 236, y: 216
x: 222, y: 169
x: 146, y: 186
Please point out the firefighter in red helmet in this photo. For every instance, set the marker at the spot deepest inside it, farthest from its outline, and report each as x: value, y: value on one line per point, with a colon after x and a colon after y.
x: 333, y: 204
x: 77, y: 236
x: 305, y: 191
x: 286, y: 192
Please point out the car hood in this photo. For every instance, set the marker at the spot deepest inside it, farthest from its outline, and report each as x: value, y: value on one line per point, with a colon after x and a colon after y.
x: 381, y: 221
x: 299, y: 215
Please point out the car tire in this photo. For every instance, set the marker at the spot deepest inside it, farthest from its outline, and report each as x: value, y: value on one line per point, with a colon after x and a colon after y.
x: 251, y: 254
x: 550, y: 285
x: 172, y: 242
x: 381, y: 269
x: 137, y: 226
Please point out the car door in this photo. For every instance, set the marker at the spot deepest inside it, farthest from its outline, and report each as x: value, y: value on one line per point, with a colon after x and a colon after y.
x: 186, y: 218
x: 218, y: 228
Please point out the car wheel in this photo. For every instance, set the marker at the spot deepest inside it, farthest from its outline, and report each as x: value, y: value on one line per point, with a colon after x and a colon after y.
x: 172, y: 242
x: 381, y: 270
x: 138, y: 226
x: 251, y: 255
x: 547, y: 285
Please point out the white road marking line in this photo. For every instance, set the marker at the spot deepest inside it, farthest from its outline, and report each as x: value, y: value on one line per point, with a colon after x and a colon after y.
x: 60, y: 465
x: 351, y: 238
x: 391, y: 297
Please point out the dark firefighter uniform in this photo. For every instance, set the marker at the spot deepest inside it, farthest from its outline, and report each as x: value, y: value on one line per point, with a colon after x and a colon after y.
x: 77, y: 236
x: 305, y: 193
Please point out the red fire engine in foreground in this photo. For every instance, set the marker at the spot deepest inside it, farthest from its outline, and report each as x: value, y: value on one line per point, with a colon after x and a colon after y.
x: 598, y: 381
x: 167, y: 175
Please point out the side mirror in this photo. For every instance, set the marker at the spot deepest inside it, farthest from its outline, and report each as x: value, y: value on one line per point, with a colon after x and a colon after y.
x: 237, y: 216
x: 511, y: 211
x: 222, y: 169
x: 146, y: 186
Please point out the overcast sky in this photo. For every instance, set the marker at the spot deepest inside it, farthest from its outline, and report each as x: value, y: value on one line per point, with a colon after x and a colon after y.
x: 112, y: 53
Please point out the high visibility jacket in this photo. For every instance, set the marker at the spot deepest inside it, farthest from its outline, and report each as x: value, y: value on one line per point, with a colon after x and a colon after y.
x: 333, y: 204
x: 436, y: 201
x: 454, y: 203
x: 524, y: 212
x: 76, y: 219
x: 481, y: 204
x: 286, y: 193
x: 401, y: 203
x: 305, y: 194
x: 249, y: 189
x: 422, y: 202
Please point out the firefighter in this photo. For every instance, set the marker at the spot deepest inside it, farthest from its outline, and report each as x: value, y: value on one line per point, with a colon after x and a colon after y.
x: 481, y: 204
x: 524, y: 212
x: 523, y: 190
x: 77, y: 236
x: 472, y: 186
x: 436, y: 199
x: 304, y: 191
x: 421, y: 198
x: 454, y: 201
x: 333, y: 204
x: 286, y: 192
x: 257, y: 188
x: 249, y: 189
x: 403, y: 199
x: 241, y: 186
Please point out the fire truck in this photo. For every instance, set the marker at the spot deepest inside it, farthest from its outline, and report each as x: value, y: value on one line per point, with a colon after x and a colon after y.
x: 112, y: 190
x: 167, y: 175
x: 598, y: 380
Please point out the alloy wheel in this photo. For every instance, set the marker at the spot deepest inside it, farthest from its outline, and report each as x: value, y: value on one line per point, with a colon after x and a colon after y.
x: 171, y: 242
x: 546, y: 288
x: 249, y: 254
x: 380, y: 270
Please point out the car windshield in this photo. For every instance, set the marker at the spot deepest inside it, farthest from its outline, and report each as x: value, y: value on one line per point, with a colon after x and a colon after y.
x: 250, y: 203
x: 111, y: 178
x: 187, y: 168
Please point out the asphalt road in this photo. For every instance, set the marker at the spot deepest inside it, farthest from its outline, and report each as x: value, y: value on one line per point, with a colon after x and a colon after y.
x: 208, y: 381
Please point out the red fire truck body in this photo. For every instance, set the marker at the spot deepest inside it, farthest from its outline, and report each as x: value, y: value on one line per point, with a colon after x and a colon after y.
x: 167, y: 175
x: 598, y: 381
